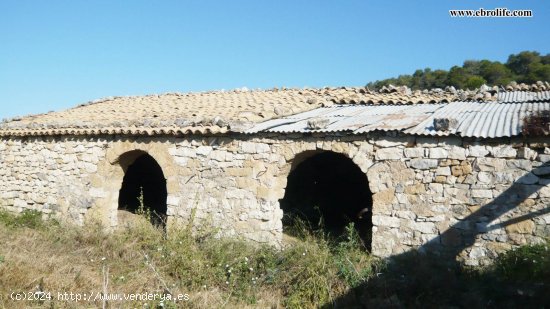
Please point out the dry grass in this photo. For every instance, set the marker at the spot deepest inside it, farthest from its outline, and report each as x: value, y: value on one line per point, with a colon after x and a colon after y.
x: 310, y: 272
x: 52, y: 257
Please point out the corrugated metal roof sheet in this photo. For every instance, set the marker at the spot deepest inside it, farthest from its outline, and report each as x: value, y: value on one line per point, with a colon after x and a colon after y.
x: 352, y: 118
x: 474, y: 119
x: 523, y: 96
x: 481, y: 119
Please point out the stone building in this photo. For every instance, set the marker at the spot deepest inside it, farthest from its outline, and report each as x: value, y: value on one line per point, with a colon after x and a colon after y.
x: 445, y: 169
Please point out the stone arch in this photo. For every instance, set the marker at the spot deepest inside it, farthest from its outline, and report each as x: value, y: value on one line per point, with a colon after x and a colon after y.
x: 143, y: 186
x: 328, y: 185
x: 119, y: 156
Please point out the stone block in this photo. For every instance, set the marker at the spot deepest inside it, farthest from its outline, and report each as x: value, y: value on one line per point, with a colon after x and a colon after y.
x: 520, y: 164
x: 394, y: 141
x: 248, y: 147
x: 503, y: 177
x: 406, y: 214
x: 414, y: 152
x: 484, y: 177
x: 386, y: 221
x: 90, y: 168
x: 503, y: 152
x: 218, y: 155
x: 204, y: 150
x: 438, y: 153
x: 423, y: 164
x: 527, y: 204
x: 544, y: 158
x: 415, y: 189
x: 262, y: 148
x: 19, y: 203
x: 456, y: 170
x: 443, y: 171
x: 544, y: 192
x: 477, y: 151
x: 423, y: 227
x: 389, y: 154
x: 522, y: 227
x: 383, y: 198
x: 457, y: 153
x: 482, y: 193
x: 172, y: 200
x: 466, y: 167
x: 477, y: 253
x: 527, y: 153
x: 489, y: 164
x: 436, y: 187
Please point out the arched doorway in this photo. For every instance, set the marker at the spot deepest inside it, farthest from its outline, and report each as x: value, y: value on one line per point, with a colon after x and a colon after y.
x: 328, y: 191
x: 144, y: 182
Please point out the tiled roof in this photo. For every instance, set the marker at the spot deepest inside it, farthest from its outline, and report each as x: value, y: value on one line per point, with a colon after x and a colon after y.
x: 208, y: 112
x: 237, y: 110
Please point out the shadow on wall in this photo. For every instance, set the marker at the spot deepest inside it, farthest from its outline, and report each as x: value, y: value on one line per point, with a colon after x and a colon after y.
x: 143, y: 177
x: 417, y: 277
x: 328, y: 191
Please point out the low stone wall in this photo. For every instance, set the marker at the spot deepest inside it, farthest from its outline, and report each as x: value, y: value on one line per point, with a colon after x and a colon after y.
x: 52, y: 175
x: 472, y: 198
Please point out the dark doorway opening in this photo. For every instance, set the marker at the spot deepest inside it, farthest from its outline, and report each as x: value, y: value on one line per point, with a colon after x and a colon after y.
x: 143, y: 178
x: 328, y: 191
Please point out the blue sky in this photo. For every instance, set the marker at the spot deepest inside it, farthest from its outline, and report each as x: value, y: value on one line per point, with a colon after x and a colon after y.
x: 57, y: 54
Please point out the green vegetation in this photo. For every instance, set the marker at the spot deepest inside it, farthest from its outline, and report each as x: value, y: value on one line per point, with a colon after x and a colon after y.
x: 28, y: 218
x: 526, y: 264
x: 524, y: 67
x: 214, y: 272
x: 311, y: 271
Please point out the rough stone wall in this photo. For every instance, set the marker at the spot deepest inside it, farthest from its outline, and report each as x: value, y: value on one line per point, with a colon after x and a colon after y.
x: 49, y: 174
x: 472, y: 198
x: 468, y: 198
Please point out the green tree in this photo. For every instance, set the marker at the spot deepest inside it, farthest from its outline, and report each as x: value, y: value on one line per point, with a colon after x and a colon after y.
x: 496, y: 73
x: 457, y: 77
x: 475, y: 82
x: 527, y: 66
x: 519, y: 63
x: 538, y: 71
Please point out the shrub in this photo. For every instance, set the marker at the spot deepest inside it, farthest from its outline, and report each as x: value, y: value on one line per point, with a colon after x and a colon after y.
x: 27, y: 218
x: 526, y: 263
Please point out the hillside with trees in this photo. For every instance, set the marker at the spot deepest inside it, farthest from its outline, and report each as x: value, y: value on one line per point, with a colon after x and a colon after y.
x: 524, y: 67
